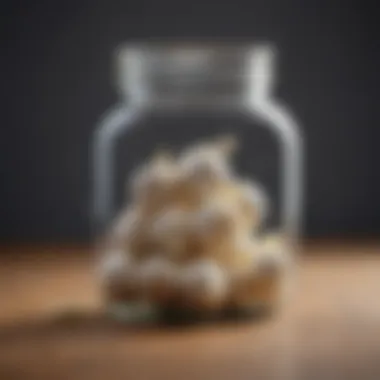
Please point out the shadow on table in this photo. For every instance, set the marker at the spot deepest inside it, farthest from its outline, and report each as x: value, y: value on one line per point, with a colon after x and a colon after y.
x: 97, y: 323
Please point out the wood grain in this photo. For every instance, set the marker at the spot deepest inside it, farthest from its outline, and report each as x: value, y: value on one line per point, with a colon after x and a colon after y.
x: 330, y: 330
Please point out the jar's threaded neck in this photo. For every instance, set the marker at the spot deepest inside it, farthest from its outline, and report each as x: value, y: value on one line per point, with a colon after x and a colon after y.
x: 204, y: 72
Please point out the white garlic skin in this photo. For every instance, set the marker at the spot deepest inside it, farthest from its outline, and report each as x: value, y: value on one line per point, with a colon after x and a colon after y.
x: 274, y: 255
x: 117, y: 275
x: 217, y: 218
x: 205, y: 168
x: 207, y: 163
x: 172, y: 229
x: 113, y: 265
x: 215, y: 227
x: 204, y: 285
x: 126, y: 226
x: 158, y: 279
x: 152, y: 181
x: 173, y: 221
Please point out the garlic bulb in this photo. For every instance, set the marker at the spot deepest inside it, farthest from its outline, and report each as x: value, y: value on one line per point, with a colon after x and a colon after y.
x: 190, y: 237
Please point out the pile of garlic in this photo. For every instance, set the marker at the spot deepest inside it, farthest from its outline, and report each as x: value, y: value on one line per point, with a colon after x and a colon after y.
x: 190, y: 237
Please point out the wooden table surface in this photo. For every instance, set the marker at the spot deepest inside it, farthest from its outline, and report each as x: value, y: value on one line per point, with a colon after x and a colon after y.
x: 331, y: 329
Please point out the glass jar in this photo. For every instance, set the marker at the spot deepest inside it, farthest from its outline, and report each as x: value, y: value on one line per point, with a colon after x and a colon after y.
x: 162, y: 79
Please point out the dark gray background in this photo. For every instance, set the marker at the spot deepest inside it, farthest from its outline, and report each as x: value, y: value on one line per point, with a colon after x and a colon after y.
x: 56, y: 82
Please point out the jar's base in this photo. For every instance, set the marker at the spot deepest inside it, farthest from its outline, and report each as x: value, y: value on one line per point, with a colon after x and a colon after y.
x: 137, y: 312
x: 178, y: 316
x: 131, y: 312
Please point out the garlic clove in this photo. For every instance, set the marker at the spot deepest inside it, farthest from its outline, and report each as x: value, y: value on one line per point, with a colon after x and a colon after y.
x: 158, y: 278
x: 204, y: 285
